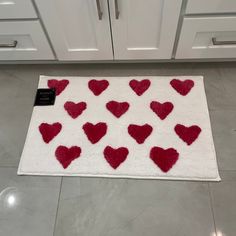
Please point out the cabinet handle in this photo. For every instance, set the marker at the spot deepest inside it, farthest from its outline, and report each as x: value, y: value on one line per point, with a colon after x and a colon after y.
x: 8, y: 45
x: 117, y: 9
x: 99, y: 10
x: 215, y: 42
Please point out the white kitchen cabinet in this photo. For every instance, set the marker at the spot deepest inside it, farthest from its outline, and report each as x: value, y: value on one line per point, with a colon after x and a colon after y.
x: 144, y: 29
x: 207, y: 37
x: 78, y: 29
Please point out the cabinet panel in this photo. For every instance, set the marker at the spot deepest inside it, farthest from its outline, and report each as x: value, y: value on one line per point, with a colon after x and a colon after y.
x: 13, y: 9
x: 144, y: 29
x: 207, y: 37
x: 75, y: 29
x: 210, y: 6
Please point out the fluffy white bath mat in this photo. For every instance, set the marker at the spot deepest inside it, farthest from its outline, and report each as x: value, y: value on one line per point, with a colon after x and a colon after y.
x: 132, y: 127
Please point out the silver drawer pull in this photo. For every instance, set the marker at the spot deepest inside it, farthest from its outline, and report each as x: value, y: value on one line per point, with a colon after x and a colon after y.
x: 215, y: 42
x: 99, y: 10
x: 117, y: 9
x: 8, y: 45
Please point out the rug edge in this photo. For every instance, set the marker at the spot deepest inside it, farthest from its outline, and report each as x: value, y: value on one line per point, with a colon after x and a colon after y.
x: 216, y: 179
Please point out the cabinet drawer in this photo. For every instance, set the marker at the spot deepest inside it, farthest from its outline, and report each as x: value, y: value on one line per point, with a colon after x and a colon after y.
x: 12, y: 9
x: 207, y: 37
x: 210, y: 6
x: 23, y: 40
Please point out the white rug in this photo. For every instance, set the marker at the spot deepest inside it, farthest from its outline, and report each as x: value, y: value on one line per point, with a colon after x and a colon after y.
x: 127, y: 127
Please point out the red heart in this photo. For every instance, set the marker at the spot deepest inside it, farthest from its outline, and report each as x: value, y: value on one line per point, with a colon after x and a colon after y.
x: 187, y: 134
x: 139, y: 87
x: 75, y: 109
x: 162, y: 109
x: 164, y: 158
x: 182, y: 87
x: 115, y: 156
x: 95, y: 132
x: 98, y: 86
x: 58, y: 85
x: 49, y: 131
x: 140, y: 132
x: 117, y: 108
x: 66, y: 155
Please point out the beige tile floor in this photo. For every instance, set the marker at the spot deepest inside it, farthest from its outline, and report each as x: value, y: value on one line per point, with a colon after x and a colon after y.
x: 46, y: 206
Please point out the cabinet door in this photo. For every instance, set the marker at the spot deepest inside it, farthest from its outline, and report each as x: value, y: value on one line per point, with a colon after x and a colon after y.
x: 144, y: 29
x: 76, y: 30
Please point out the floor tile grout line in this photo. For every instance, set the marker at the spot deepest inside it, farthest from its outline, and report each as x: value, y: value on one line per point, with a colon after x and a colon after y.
x: 212, y: 209
x: 224, y: 109
x: 13, y: 167
x: 222, y: 170
x: 58, y: 201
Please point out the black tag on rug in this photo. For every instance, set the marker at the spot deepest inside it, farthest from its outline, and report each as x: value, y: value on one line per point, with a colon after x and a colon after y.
x: 45, y: 97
